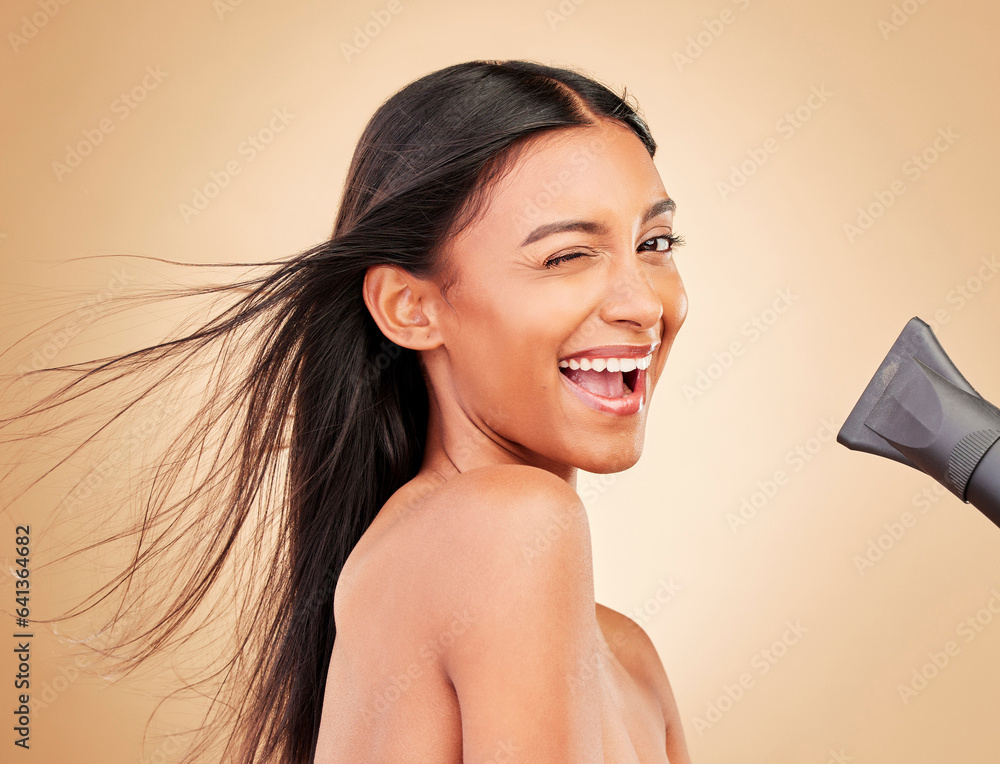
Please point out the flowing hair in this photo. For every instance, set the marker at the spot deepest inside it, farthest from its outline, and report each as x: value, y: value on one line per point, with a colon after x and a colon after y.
x: 312, y: 418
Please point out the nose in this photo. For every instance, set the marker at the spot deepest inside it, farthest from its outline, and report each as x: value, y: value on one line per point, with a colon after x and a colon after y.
x: 632, y: 295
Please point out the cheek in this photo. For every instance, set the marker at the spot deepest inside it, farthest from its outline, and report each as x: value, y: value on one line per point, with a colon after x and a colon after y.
x: 675, y: 310
x: 680, y: 308
x: 501, y: 348
x: 511, y: 362
x: 675, y: 303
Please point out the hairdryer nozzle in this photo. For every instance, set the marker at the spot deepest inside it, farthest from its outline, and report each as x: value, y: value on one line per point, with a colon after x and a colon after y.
x: 920, y: 411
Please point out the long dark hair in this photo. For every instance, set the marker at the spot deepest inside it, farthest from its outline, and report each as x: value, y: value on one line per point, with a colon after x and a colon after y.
x: 305, y: 370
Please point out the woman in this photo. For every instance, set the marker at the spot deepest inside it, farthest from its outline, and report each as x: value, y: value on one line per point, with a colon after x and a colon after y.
x: 490, y: 315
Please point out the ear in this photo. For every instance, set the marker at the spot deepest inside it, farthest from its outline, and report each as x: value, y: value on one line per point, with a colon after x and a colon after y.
x: 399, y: 302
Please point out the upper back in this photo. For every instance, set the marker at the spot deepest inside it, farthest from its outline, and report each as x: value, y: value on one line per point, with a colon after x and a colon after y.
x: 434, y: 546
x: 505, y: 552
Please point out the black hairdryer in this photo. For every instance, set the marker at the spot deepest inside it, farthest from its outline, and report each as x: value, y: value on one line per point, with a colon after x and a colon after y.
x: 919, y: 410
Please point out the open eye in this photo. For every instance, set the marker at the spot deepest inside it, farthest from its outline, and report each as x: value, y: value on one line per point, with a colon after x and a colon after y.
x: 665, y: 243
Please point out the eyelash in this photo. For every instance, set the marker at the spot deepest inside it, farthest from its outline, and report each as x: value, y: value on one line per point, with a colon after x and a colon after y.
x: 675, y: 240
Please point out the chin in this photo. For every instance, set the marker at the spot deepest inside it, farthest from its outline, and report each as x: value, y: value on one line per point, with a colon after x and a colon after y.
x: 611, y: 460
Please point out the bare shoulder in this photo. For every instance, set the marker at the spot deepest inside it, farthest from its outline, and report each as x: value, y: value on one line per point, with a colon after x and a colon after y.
x: 509, y: 508
x: 637, y: 653
x: 506, y: 526
x: 509, y: 547
x: 445, y: 544
x: 517, y: 486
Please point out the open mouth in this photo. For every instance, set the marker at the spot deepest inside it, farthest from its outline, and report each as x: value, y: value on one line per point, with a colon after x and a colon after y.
x: 606, y: 377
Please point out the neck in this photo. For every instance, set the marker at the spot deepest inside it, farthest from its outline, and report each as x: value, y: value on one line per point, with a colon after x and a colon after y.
x: 455, y: 443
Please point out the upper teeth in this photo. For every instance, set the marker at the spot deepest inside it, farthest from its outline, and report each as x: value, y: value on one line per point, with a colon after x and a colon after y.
x: 607, y: 364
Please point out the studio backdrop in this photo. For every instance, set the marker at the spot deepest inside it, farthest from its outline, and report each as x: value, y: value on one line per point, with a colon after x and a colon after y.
x: 834, y: 167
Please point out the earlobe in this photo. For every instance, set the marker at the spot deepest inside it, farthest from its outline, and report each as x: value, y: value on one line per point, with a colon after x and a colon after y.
x: 395, y: 300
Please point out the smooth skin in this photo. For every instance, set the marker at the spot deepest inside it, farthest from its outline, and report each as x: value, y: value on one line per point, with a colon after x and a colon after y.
x: 467, y: 629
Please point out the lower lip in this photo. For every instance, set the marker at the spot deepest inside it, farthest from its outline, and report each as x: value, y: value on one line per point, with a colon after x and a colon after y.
x: 630, y: 404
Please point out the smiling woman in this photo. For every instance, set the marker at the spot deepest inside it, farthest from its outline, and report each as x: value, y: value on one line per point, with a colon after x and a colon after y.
x: 491, y: 314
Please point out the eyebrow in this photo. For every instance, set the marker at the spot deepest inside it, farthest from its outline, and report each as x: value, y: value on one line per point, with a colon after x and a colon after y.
x: 657, y: 208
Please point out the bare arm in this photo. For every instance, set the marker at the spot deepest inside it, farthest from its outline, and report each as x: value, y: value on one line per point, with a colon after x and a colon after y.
x: 638, y: 654
x: 657, y: 676
x: 526, y: 570
x: 677, y: 750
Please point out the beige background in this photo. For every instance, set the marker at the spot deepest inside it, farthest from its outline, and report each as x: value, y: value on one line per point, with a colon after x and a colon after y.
x: 712, y: 597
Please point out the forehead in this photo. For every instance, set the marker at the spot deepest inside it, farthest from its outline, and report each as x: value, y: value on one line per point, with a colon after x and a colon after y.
x: 594, y: 170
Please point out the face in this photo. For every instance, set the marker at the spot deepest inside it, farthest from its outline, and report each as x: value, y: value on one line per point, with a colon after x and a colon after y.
x: 570, y: 264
